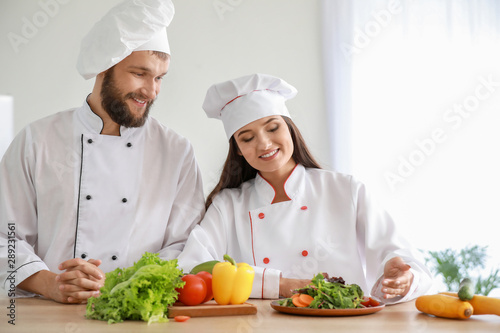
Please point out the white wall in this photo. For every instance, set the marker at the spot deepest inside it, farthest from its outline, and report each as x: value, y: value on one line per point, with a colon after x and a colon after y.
x: 278, y: 37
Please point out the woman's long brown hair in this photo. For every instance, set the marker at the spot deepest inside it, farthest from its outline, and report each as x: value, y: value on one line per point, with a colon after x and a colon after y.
x: 236, y: 169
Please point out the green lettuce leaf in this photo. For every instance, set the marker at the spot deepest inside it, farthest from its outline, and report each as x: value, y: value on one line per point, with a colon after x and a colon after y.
x: 140, y: 292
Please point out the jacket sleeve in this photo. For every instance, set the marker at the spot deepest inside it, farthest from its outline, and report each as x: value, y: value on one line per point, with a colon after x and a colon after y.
x: 207, y: 241
x: 18, y: 215
x: 379, y: 241
x: 188, y: 206
x: 266, y: 283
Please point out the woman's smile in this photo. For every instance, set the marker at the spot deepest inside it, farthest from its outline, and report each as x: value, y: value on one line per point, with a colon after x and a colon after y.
x: 270, y: 155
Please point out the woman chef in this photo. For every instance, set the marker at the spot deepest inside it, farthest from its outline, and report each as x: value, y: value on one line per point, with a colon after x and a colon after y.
x: 277, y: 210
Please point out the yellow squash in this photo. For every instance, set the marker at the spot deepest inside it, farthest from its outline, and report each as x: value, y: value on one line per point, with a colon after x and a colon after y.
x: 444, y: 306
x: 483, y: 305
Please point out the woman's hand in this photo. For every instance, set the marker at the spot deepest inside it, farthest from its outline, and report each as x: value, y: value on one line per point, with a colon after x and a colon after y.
x: 397, y: 278
x: 287, y: 286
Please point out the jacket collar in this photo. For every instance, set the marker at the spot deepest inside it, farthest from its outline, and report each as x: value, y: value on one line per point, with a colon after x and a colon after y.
x: 92, y: 123
x: 293, y: 185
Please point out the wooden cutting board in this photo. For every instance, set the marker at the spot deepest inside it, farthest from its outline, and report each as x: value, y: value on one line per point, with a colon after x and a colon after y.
x: 210, y: 309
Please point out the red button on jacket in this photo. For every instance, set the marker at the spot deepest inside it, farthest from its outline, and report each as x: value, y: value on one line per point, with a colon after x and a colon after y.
x: 261, y: 216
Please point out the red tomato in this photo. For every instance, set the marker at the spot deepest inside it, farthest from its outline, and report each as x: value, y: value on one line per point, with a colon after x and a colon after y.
x: 374, y: 302
x: 194, y: 291
x: 207, y: 277
x: 181, y: 318
x: 366, y: 301
x: 369, y: 302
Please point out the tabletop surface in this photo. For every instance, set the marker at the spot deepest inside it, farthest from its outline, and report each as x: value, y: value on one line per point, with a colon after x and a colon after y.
x: 41, y: 315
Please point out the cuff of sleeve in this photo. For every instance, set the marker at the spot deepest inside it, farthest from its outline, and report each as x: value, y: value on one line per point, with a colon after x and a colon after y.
x: 271, y: 288
x: 266, y: 283
x: 21, y: 274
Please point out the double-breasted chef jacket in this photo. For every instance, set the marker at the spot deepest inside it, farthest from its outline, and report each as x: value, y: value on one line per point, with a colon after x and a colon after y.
x: 330, y: 225
x: 67, y: 191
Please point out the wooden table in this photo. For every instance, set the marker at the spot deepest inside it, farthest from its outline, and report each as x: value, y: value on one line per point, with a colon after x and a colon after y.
x: 37, y: 315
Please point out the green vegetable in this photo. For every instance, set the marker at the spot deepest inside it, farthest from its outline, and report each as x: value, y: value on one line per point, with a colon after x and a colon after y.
x: 140, y: 292
x: 466, y: 290
x: 206, y: 266
x: 330, y: 294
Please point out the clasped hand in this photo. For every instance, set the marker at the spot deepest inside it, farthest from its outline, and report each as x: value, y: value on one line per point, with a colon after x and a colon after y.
x: 80, y: 280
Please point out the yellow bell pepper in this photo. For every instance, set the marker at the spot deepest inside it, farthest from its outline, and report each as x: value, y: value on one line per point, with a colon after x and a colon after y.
x: 231, y: 282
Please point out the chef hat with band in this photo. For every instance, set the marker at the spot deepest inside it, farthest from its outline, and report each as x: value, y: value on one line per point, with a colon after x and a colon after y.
x: 243, y: 100
x: 132, y: 25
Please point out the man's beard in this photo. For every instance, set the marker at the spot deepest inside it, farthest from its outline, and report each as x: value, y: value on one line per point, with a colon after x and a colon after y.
x: 115, y: 105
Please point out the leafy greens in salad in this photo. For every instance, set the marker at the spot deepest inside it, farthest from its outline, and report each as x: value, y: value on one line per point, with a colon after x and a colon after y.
x: 330, y: 293
x: 140, y: 292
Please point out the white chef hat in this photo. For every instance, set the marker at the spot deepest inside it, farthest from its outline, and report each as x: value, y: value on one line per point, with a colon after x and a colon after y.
x: 241, y: 101
x: 132, y: 25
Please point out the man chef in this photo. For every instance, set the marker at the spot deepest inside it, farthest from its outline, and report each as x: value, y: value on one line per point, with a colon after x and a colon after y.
x: 90, y: 189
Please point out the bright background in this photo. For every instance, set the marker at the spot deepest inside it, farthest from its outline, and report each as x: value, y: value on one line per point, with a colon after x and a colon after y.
x: 425, y: 90
x: 361, y: 113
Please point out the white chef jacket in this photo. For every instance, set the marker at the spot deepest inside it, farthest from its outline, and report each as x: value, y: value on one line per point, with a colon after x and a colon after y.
x: 330, y: 225
x: 67, y: 191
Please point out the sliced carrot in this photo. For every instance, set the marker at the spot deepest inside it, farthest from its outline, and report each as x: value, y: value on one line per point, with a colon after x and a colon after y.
x: 301, y: 300
x: 306, y: 299
x: 298, y: 303
x: 181, y: 318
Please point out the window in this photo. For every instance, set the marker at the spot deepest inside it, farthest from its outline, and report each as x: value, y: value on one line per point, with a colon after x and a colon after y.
x: 424, y: 114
